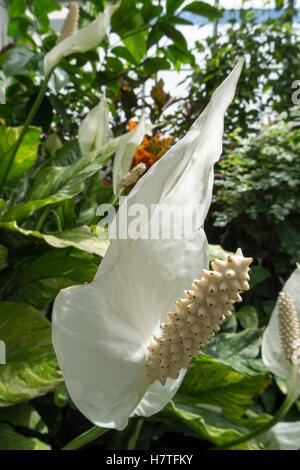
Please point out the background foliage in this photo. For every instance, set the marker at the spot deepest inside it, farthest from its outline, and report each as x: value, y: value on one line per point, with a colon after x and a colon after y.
x: 48, y: 233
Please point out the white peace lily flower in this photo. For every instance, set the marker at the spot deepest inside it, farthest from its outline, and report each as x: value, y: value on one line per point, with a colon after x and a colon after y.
x: 101, y: 330
x: 272, y: 353
x: 82, y: 40
x: 125, y: 153
x: 93, y: 132
x: 283, y: 436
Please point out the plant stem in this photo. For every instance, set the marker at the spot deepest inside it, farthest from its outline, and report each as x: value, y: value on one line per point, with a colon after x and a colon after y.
x: 134, y: 438
x: 58, y: 220
x: 85, y: 438
x: 42, y: 219
x: 28, y: 121
x: 276, y: 418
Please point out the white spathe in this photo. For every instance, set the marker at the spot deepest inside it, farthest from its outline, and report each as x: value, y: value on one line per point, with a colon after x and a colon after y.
x: 283, y: 436
x: 125, y: 153
x: 272, y: 353
x: 101, y: 330
x: 93, y: 132
x: 82, y: 40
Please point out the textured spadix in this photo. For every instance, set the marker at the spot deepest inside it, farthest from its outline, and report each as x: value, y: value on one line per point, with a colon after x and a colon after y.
x: 273, y: 349
x: 133, y: 175
x: 101, y: 330
x: 197, y: 316
x: 289, y: 327
x: 70, y: 23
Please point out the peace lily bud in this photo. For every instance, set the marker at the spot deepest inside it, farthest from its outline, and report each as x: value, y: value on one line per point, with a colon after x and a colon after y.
x: 70, y: 24
x: 133, y: 175
x: 102, y: 330
x: 53, y: 143
x: 93, y: 132
x: 82, y: 40
x: 202, y: 312
x: 281, y: 339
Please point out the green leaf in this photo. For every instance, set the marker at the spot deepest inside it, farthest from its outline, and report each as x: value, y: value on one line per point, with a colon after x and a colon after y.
x: 18, y: 26
x: 19, y: 61
x: 12, y: 440
x: 205, y: 420
x: 136, y: 43
x: 238, y: 351
x: 152, y: 66
x: 211, y: 382
x: 37, y: 280
x: 66, y: 155
x: 174, y: 34
x: 54, y: 184
x: 95, y: 193
x: 26, y: 155
x: 172, y: 6
x: 31, y: 368
x: 258, y: 274
x: 204, y: 9
x: 154, y: 36
x: 59, y: 79
x: 121, y: 51
x: 248, y: 317
x: 22, y: 381
x: 16, y: 7
x: 83, y: 238
x: 42, y: 8
x: 25, y: 416
x: 25, y: 331
x: 3, y: 257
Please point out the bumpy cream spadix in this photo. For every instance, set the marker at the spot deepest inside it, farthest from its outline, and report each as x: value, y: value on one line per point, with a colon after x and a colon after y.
x: 289, y: 327
x: 70, y: 23
x: 280, y: 344
x: 197, y: 316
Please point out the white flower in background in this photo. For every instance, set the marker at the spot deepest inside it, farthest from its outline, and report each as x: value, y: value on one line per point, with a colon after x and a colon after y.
x: 125, y: 153
x: 283, y: 436
x: 273, y: 351
x: 93, y: 132
x: 101, y: 331
x: 80, y: 41
x: 2, y: 91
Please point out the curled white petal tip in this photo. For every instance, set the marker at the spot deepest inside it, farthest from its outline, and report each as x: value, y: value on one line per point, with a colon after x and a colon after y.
x: 101, y: 331
x: 272, y: 353
x: 94, y: 130
x: 82, y: 40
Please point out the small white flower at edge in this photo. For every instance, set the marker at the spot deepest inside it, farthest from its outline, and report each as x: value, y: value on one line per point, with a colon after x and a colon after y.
x: 93, y: 132
x: 101, y: 331
x: 272, y: 354
x: 82, y: 40
x: 283, y: 436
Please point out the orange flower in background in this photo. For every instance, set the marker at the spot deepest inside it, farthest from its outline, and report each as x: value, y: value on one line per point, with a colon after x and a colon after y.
x: 151, y: 149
